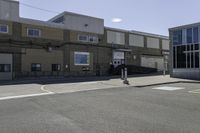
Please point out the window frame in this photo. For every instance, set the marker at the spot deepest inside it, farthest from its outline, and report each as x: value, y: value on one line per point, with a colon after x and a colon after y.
x: 95, y: 39
x: 7, y: 27
x: 55, y: 67
x: 40, y: 32
x: 87, y: 40
x: 82, y: 53
x: 9, y: 70
x: 36, y: 67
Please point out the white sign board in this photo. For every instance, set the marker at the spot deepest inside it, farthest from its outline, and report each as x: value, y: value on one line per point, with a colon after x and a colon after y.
x: 118, y: 55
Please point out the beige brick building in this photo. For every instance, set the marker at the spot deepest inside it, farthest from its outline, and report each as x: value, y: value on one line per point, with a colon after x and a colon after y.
x: 72, y: 44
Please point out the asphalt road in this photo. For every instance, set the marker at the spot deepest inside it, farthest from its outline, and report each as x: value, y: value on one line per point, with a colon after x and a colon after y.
x: 117, y: 110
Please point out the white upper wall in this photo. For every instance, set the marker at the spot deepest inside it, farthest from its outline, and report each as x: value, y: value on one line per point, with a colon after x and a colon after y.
x: 80, y: 22
x: 115, y: 37
x: 165, y: 44
x: 9, y: 10
x: 136, y: 40
x: 153, y: 43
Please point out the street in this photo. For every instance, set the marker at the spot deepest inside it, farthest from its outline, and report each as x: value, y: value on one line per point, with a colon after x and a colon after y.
x: 113, y: 110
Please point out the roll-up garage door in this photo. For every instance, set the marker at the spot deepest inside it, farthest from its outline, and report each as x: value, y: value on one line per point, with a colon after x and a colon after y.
x: 6, y: 66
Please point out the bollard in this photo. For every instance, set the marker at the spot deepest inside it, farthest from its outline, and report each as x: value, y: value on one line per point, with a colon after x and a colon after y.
x: 122, y: 73
x: 125, y: 77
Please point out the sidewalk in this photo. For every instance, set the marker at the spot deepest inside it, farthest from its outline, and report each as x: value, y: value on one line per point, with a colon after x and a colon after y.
x: 136, y: 81
x: 45, y: 86
x: 105, y: 83
x: 149, y: 81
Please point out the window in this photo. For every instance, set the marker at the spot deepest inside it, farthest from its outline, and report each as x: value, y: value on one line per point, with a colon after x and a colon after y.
x: 90, y: 39
x: 195, y: 35
x: 59, y: 20
x: 56, y: 67
x: 83, y: 38
x: 5, y: 68
x: 93, y: 39
x: 3, y: 28
x: 189, y: 35
x: 177, y: 37
x: 35, y: 67
x: 81, y: 58
x: 33, y: 32
x: 181, y: 56
x: 196, y: 59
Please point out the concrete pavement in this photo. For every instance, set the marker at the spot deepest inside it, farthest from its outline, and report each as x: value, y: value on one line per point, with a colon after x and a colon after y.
x: 26, y: 88
x: 114, y: 110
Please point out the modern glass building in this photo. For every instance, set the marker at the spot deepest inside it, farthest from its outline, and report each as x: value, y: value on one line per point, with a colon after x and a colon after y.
x: 184, y: 50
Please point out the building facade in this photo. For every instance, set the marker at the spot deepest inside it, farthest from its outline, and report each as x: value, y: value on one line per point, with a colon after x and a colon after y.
x: 71, y: 44
x: 184, y: 45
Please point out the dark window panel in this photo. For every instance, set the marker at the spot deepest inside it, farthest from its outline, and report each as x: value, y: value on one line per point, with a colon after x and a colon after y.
x: 195, y: 35
x: 189, y: 35
x: 196, y: 59
x: 177, y: 37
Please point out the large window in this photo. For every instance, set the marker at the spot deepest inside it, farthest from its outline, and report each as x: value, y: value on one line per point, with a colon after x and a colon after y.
x: 177, y: 37
x: 35, y: 67
x: 181, y: 57
x: 189, y: 35
x: 81, y: 58
x: 3, y: 28
x: 33, y: 32
x: 192, y: 35
x: 5, y: 68
x: 195, y: 35
x: 186, y: 56
x: 56, y: 67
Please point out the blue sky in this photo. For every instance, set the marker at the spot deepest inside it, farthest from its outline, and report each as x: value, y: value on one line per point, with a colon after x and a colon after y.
x: 153, y: 16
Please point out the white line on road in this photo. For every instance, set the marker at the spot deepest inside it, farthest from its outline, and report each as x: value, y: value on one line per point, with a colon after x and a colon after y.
x: 43, y: 89
x: 24, y: 96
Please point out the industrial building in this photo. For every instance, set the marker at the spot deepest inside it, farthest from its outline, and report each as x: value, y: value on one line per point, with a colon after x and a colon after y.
x: 71, y: 44
x: 184, y: 49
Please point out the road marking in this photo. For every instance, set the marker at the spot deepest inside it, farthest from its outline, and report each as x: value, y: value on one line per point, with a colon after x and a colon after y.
x: 47, y: 91
x: 80, y: 83
x: 24, y: 96
x: 167, y: 88
x: 195, y: 91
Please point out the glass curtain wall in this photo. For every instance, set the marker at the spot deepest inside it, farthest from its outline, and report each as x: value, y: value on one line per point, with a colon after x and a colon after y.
x: 186, y: 53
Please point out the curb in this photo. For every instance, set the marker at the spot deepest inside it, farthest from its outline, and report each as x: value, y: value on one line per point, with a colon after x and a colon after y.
x: 174, y: 82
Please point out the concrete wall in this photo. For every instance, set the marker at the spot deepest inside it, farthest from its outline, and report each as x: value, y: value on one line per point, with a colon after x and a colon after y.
x: 100, y: 59
x: 9, y: 10
x: 115, y: 37
x: 187, y: 73
x: 153, y: 62
x: 6, y: 59
x: 46, y: 59
x: 83, y: 23
x: 46, y: 32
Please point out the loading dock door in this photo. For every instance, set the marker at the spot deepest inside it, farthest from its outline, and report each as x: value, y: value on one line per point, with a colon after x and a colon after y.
x: 153, y: 62
x: 6, y: 66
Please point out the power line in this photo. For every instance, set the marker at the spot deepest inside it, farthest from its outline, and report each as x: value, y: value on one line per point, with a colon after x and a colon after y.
x: 41, y: 9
